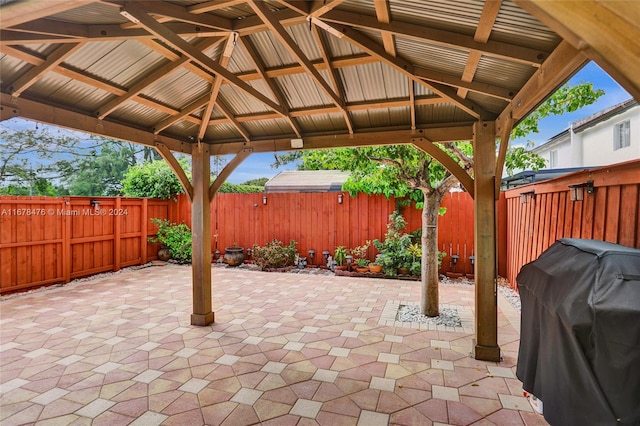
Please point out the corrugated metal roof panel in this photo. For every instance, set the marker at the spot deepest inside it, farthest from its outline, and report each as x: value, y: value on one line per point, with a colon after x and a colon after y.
x: 239, y: 102
x: 460, y: 16
x: 433, y: 57
x: 221, y: 132
x: 65, y: 91
x: 240, y: 61
x: 514, y: 25
x: 339, y: 48
x: 11, y: 69
x: 92, y: 14
x: 364, y: 7
x: 305, y: 39
x: 381, y: 117
x: 178, y: 88
x: 502, y: 73
x: 321, y: 123
x: 262, y: 128
x: 375, y: 81
x: 301, y: 90
x: 422, y: 90
x: 440, y: 113
x: 487, y: 102
x: 142, y: 115
x: 272, y: 52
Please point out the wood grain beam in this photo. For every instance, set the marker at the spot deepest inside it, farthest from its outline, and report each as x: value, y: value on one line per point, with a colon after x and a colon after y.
x: 447, y: 162
x: 504, y: 133
x: 406, y: 68
x: 383, y: 13
x: 608, y: 32
x: 235, y: 123
x: 176, y: 167
x: 227, y: 170
x: 457, y: 82
x: 283, y: 36
x: 185, y: 48
x: 183, y: 114
x: 444, y: 38
x: 396, y: 137
x: 56, y: 116
x: 320, y: 7
x: 412, y: 103
x: 33, y: 75
x: 559, y: 67
x: 179, y: 13
x: 275, y: 90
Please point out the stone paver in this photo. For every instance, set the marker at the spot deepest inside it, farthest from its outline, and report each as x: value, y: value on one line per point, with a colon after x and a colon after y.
x: 285, y: 349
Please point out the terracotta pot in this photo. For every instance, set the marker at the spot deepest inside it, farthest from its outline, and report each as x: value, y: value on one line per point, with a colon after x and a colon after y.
x: 362, y: 269
x: 341, y: 267
x: 376, y: 269
x: 234, y: 256
x: 164, y: 254
x: 403, y: 271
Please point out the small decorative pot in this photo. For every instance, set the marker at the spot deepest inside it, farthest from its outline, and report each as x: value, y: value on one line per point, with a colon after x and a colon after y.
x: 375, y: 269
x: 234, y: 256
x: 164, y: 254
x: 403, y: 271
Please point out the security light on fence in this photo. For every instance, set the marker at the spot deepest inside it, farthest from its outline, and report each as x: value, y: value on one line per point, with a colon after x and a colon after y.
x: 264, y: 200
x: 326, y: 254
x: 340, y: 197
x: 525, y: 196
x: 576, y: 191
x: 95, y: 204
x: 312, y: 254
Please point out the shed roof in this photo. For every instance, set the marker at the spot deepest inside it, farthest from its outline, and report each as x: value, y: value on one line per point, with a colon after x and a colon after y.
x: 307, y: 181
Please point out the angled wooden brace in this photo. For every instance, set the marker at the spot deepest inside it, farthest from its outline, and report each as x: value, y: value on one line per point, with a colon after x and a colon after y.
x: 228, y: 169
x: 176, y: 167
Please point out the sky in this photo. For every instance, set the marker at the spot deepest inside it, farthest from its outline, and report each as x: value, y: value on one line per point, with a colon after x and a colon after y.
x: 259, y: 165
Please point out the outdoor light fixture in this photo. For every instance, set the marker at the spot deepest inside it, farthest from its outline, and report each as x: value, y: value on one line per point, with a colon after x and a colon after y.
x: 129, y: 16
x: 576, y: 191
x: 249, y: 251
x: 524, y: 196
x: 472, y: 259
x: 454, y: 259
x: 95, y: 204
x: 340, y: 196
x: 312, y: 254
x: 326, y: 254
x: 264, y: 200
x: 297, y: 143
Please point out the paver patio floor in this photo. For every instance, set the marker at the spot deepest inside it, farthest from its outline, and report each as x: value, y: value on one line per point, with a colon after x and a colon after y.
x: 286, y: 349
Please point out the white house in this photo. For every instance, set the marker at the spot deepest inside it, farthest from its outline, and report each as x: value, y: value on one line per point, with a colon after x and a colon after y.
x: 606, y: 137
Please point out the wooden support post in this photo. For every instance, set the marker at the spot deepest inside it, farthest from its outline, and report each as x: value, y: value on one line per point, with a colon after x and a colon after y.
x: 201, y: 231
x: 484, y: 158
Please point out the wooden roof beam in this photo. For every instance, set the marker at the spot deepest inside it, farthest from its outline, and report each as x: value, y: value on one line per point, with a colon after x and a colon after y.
x: 283, y: 36
x: 483, y: 31
x: 179, y: 13
x: 457, y: 82
x: 183, y: 114
x: 275, y: 90
x: 320, y: 7
x: 383, y: 14
x: 33, y: 75
x: 227, y: 170
x: 615, y: 46
x: 181, y: 45
x: 232, y: 119
x: 439, y: 37
x: 212, y: 5
x: 176, y: 167
x: 447, y: 162
x: 56, y: 116
x: 406, y: 68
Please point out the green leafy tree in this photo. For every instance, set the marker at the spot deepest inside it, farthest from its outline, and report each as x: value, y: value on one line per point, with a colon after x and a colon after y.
x: 256, y: 182
x: 153, y: 180
x: 403, y: 171
x: 242, y: 188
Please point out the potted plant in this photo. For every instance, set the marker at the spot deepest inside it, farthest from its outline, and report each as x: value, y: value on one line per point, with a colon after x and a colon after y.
x: 174, y: 238
x: 274, y: 255
x: 363, y: 265
x: 360, y: 255
x: 339, y: 255
x: 394, y: 247
x: 375, y: 268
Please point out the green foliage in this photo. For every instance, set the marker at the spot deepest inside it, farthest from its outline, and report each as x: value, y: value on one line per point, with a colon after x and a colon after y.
x: 153, y: 180
x: 360, y: 252
x: 339, y: 255
x: 242, y: 188
x: 176, y: 237
x: 565, y: 99
x: 274, y: 254
x: 393, y: 250
x: 256, y: 182
x: 521, y: 158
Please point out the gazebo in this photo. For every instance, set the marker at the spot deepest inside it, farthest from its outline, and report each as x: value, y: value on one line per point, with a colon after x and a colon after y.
x: 222, y: 77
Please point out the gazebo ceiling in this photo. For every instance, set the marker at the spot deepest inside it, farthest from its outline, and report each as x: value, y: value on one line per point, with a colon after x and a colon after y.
x: 240, y: 73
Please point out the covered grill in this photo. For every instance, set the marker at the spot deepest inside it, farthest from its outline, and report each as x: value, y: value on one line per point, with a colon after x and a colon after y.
x: 580, y: 332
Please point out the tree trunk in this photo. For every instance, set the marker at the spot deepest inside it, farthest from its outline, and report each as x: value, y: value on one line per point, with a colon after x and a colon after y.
x: 429, y: 303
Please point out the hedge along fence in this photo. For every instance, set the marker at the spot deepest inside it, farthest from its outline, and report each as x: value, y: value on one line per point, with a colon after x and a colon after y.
x: 322, y: 221
x: 611, y: 213
x: 46, y: 240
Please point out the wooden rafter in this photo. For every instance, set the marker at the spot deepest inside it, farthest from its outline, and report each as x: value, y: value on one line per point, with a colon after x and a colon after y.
x: 457, y: 82
x: 615, y: 46
x: 383, y: 13
x: 283, y: 36
x: 151, y: 79
x: 438, y: 37
x: 483, y: 31
x: 412, y: 104
x: 406, y: 68
x: 320, y: 7
x: 176, y: 167
x: 275, y: 90
x: 195, y: 55
x: 183, y: 114
x: 33, y: 75
x: 232, y: 119
x: 181, y: 14
x: 333, y: 74
x: 225, y: 57
x: 213, y: 5
x: 227, y: 170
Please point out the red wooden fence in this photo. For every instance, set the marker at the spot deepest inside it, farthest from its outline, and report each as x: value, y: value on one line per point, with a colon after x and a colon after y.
x: 45, y: 240
x: 319, y: 221
x: 611, y: 213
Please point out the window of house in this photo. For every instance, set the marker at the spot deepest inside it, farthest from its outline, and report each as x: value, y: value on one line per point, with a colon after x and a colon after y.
x: 553, y: 159
x: 621, y: 135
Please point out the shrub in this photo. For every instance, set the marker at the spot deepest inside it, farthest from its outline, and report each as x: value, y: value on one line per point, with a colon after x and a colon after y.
x: 154, y: 180
x: 274, y: 254
x: 176, y: 237
x: 393, y: 250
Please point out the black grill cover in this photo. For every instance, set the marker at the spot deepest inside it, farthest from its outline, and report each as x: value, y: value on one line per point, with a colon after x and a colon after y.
x: 580, y: 332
